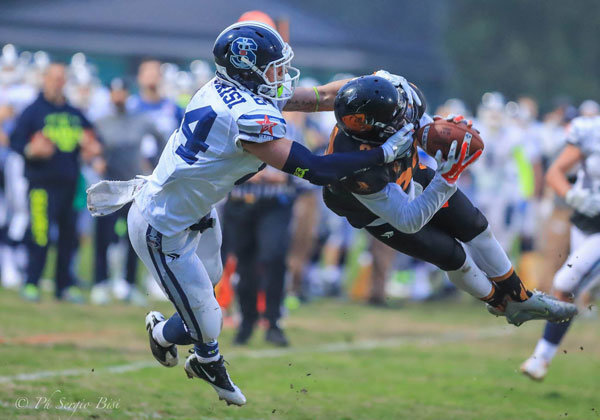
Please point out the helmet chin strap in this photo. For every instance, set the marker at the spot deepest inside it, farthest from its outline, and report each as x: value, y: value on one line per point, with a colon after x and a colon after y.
x: 255, y: 70
x: 252, y: 66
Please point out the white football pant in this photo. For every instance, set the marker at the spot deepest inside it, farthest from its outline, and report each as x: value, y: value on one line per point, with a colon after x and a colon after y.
x: 581, y: 271
x: 187, y: 266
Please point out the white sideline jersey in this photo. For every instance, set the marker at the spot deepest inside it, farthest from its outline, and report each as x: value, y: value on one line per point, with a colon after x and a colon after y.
x: 204, y: 159
x: 584, y: 133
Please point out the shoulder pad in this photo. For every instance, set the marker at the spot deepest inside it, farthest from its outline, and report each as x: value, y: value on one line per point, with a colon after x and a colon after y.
x: 580, y: 128
x: 368, y: 182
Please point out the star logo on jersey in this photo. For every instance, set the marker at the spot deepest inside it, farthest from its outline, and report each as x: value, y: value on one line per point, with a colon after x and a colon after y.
x: 267, y: 125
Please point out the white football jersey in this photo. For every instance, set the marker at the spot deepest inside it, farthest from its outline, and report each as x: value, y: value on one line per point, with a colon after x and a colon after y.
x: 204, y: 159
x: 584, y: 133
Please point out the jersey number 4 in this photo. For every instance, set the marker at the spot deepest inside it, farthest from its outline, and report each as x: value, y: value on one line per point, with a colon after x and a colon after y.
x: 196, y: 140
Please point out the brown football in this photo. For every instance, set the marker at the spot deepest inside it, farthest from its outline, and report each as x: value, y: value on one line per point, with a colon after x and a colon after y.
x: 440, y: 134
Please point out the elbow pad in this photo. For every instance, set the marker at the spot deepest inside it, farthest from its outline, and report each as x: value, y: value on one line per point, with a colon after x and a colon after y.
x: 324, y: 170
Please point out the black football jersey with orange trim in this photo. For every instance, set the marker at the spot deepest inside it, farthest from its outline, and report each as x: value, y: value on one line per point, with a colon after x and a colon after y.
x: 338, y: 196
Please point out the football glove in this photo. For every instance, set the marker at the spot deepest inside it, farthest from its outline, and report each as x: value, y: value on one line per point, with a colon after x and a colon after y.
x: 398, y: 144
x: 453, y: 166
x: 399, y: 81
x: 584, y: 201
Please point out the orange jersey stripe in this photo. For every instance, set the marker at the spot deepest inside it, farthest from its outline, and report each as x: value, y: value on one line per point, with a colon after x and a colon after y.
x: 331, y: 140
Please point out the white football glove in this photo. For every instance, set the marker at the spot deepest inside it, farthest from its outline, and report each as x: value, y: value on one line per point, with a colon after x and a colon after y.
x: 584, y: 201
x: 413, y: 97
x: 398, y: 144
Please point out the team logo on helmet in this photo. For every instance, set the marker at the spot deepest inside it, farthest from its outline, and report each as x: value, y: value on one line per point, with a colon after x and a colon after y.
x: 243, y: 47
x: 357, y: 122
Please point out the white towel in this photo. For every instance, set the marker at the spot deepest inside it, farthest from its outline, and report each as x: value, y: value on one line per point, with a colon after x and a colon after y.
x: 106, y: 197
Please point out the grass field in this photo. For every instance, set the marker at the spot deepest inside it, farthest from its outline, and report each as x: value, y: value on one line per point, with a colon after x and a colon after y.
x: 423, y: 361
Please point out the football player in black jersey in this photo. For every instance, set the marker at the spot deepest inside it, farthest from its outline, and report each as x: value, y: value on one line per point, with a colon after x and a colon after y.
x: 419, y: 211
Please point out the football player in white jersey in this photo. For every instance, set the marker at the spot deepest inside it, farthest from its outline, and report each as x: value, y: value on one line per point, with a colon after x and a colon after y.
x: 581, y: 271
x: 232, y: 127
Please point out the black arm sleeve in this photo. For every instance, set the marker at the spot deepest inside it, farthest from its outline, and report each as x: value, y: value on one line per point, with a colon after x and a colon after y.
x: 324, y: 170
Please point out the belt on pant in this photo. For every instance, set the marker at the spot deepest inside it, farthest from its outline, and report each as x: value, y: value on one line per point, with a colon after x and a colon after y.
x: 206, y: 222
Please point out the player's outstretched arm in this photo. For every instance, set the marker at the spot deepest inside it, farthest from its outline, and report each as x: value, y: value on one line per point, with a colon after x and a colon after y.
x: 321, y: 98
x: 556, y: 177
x: 295, y: 159
x: 395, y: 206
x: 408, y: 215
x: 318, y: 98
x: 582, y: 199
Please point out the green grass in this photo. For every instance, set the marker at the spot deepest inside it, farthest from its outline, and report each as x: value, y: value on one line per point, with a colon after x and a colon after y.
x: 450, y: 361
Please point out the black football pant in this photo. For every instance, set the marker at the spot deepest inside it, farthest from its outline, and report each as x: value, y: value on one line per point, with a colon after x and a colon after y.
x: 258, y: 235
x: 437, y: 243
x: 110, y: 229
x: 51, y: 207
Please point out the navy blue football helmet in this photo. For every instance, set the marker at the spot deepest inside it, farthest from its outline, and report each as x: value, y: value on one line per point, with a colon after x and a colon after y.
x: 244, y: 53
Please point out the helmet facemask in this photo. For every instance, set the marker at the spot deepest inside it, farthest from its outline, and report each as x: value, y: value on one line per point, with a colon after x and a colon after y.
x: 285, y: 77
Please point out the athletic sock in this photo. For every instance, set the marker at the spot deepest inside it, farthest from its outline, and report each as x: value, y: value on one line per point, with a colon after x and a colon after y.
x: 545, y: 350
x: 554, y: 332
x: 495, y: 298
x: 174, y: 331
x: 488, y: 254
x: 471, y: 279
x: 207, y: 352
x: 158, y: 335
x: 512, y: 286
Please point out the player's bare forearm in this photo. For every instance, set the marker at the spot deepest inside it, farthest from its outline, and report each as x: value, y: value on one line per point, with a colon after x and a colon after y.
x: 556, y: 177
x: 273, y: 153
x: 307, y: 100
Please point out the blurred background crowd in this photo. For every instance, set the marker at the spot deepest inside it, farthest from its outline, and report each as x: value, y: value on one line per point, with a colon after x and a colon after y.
x: 282, y: 247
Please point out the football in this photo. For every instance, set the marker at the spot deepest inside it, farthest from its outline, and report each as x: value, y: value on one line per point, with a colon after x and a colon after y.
x: 440, y: 134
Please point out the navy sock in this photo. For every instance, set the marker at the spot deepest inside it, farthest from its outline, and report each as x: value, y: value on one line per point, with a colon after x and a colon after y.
x: 207, y: 350
x: 174, y: 331
x: 554, y: 332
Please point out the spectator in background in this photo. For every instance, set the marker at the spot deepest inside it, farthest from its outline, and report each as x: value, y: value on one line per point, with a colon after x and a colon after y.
x: 52, y: 135
x: 129, y: 141
x: 150, y: 100
x: 20, y: 82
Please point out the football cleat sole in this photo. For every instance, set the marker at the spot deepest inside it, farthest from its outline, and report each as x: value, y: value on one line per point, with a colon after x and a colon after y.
x: 166, y: 356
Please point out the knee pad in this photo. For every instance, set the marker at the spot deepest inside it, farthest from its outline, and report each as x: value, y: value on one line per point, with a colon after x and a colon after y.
x: 566, y: 280
x: 210, y: 318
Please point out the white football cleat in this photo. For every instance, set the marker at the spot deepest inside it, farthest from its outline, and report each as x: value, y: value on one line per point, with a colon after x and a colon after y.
x: 535, y: 368
x: 216, y: 375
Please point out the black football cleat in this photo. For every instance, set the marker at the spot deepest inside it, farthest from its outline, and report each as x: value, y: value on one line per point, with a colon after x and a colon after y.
x: 166, y: 356
x: 243, y: 334
x: 216, y: 375
x: 275, y: 335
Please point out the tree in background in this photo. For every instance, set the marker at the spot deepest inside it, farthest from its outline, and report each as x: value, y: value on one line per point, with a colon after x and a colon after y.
x: 542, y: 48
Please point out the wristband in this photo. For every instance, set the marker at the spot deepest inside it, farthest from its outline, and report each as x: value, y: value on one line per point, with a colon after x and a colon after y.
x: 317, y: 95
